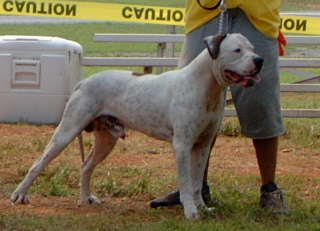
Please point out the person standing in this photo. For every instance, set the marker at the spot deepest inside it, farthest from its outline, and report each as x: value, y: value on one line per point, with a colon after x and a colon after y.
x: 258, y: 108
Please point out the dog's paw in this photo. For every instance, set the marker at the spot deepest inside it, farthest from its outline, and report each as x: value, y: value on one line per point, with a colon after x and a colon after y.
x: 91, y: 200
x: 191, y: 212
x: 192, y: 215
x: 190, y: 209
x: 20, y: 198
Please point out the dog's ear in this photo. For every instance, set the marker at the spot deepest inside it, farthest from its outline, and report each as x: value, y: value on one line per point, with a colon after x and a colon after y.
x: 213, y: 44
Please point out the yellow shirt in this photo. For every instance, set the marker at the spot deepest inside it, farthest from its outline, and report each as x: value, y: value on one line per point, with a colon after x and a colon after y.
x: 264, y: 14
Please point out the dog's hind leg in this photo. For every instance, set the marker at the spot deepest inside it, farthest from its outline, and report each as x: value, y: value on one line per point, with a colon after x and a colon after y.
x: 58, y: 142
x: 104, y: 143
x: 73, y: 122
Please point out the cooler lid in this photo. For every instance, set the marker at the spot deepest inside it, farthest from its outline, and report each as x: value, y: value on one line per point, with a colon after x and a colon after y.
x: 38, y: 43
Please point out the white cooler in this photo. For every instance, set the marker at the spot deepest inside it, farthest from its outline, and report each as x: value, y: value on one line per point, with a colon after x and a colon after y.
x: 37, y: 75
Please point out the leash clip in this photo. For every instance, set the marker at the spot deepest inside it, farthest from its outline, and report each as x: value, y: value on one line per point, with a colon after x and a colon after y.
x: 223, y: 7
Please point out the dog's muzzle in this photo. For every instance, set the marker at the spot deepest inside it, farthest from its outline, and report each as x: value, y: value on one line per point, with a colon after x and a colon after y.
x: 247, y: 80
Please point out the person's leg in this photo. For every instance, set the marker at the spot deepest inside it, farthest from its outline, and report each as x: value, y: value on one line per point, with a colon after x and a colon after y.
x: 266, y: 152
x: 259, y: 111
x: 272, y: 197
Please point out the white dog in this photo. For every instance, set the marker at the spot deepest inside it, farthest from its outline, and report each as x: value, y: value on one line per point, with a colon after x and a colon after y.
x: 180, y: 106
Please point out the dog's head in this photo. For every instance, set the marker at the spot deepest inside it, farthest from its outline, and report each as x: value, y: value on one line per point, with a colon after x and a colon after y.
x: 235, y: 59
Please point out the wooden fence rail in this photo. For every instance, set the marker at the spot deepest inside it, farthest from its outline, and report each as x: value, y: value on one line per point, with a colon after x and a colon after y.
x: 164, y: 40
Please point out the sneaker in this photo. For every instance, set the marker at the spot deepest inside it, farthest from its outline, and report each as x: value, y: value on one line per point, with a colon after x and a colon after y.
x: 174, y: 198
x: 273, y: 199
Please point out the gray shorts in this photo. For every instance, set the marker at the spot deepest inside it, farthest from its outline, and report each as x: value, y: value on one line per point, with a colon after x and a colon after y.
x: 258, y: 108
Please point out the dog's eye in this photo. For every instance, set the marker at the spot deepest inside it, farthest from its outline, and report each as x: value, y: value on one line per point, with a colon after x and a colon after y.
x: 237, y: 50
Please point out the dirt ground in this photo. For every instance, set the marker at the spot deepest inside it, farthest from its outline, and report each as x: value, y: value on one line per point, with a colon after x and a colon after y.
x: 230, y: 154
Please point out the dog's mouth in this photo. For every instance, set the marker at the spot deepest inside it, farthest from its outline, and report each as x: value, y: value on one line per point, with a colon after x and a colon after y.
x: 244, y: 81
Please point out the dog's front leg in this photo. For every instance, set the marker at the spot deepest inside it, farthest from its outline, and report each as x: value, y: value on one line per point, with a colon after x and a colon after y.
x: 199, y: 160
x: 183, y: 160
x: 104, y: 143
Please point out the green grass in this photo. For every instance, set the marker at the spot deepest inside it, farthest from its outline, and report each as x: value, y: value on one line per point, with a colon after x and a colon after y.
x: 234, y: 197
x: 290, y: 78
x: 298, y: 5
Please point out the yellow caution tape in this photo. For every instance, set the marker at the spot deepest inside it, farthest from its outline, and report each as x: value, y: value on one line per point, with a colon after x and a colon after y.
x: 95, y: 11
x: 300, y: 24
x: 131, y: 13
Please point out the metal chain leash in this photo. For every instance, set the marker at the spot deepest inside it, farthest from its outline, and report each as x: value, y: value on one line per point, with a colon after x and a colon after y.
x: 223, y: 8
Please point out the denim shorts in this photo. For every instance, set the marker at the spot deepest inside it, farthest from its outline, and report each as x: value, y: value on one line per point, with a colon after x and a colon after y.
x: 258, y: 108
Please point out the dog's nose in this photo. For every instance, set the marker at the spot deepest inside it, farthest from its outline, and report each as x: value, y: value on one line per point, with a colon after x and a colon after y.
x: 258, y: 61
